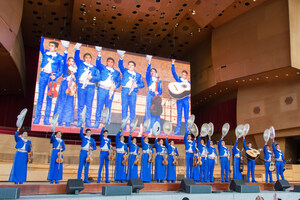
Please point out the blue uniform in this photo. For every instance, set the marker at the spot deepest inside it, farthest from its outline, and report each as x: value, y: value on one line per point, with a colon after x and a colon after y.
x: 279, y: 161
x: 133, y: 153
x: 250, y: 165
x: 224, y: 160
x: 212, y: 155
x: 55, y: 169
x: 87, y: 143
x: 51, y: 62
x: 181, y: 104
x: 18, y: 172
x: 160, y: 168
x: 85, y: 95
x: 104, y: 156
x: 108, y: 77
x: 268, y: 159
x: 65, y: 103
x: 120, y: 170
x: 171, y: 168
x: 145, y: 173
x: 196, y: 169
x: 189, y: 149
x: 236, y: 161
x: 151, y: 82
x: 203, y: 154
x: 129, y: 100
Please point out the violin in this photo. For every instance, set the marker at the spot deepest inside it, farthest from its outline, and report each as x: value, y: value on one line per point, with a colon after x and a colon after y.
x: 111, y: 154
x: 137, y: 160
x: 196, y: 161
x: 241, y: 168
x: 52, y: 92
x: 156, y: 107
x: 175, y: 161
x: 125, y: 159
x: 165, y: 160
x: 89, y: 158
x: 150, y: 159
x: 59, y: 158
x: 71, y: 86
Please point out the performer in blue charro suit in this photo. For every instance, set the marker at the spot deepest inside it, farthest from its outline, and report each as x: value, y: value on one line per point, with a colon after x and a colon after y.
x: 237, y: 159
x: 160, y: 168
x: 88, y: 145
x: 109, y: 81
x: 182, y: 103
x: 65, y: 101
x: 196, y: 166
x: 172, y: 154
x: 154, y: 89
x: 145, y: 173
x: 133, y: 153
x: 203, y: 154
x: 18, y: 172
x: 279, y: 160
x: 211, y: 158
x: 189, y: 149
x: 250, y: 163
x: 224, y: 160
x: 121, y: 148
x: 104, y: 153
x: 87, y: 75
x: 268, y: 159
x: 56, y: 168
x: 131, y: 82
x: 51, y: 65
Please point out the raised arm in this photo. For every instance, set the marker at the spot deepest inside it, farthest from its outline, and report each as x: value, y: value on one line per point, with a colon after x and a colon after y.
x: 77, y: 57
x: 148, y: 74
x: 129, y: 141
x: 118, y: 137
x: 101, y: 134
x: 142, y: 141
x: 220, y: 143
x: 244, y: 144
x: 121, y: 66
x: 208, y: 143
x: 99, y: 65
x: 235, y: 144
x: 42, y: 49
x: 174, y: 73
x: 52, y: 138
x: 17, y: 138
x: 155, y: 143
x: 167, y: 143
x: 81, y: 133
x: 185, y: 136
x: 265, y: 149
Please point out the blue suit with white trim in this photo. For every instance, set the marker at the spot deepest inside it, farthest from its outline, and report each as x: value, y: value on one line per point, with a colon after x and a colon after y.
x: 203, y: 153
x: 212, y: 155
x: 181, y: 104
x: 151, y: 82
x: 224, y: 160
x: 55, y: 61
x: 108, y: 76
x: 87, y: 143
x: 171, y: 168
x: 145, y: 173
x: 133, y: 153
x: 279, y: 162
x: 129, y: 101
x: 250, y: 164
x: 236, y: 161
x: 190, y: 149
x: 104, y: 155
x: 268, y: 159
x: 160, y: 168
x: 85, y: 95
x: 120, y: 169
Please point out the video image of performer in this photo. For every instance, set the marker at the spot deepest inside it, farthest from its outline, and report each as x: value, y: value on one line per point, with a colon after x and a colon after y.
x: 73, y: 76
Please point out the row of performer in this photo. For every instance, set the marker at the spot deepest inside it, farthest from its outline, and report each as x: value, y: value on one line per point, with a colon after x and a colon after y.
x: 82, y: 78
x: 200, y: 158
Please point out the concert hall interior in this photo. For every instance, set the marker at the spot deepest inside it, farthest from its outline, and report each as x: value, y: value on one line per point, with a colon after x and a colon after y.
x: 244, y: 68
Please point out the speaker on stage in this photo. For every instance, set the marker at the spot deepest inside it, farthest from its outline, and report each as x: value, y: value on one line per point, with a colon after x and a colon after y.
x: 296, y: 188
x: 184, y: 183
x: 74, y: 186
x: 136, y: 184
x: 9, y: 193
x: 281, y: 185
x: 236, y: 182
x: 247, y: 188
x: 116, y: 190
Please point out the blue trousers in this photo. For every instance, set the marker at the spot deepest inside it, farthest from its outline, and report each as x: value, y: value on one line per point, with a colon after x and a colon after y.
x: 251, y: 169
x: 128, y: 102
x: 103, y: 100
x: 120, y: 169
x: 182, y: 104
x: 55, y: 169
x: 224, y: 168
x: 211, y: 167
x: 85, y: 98
x: 132, y: 168
x: 145, y: 173
x: 148, y: 114
x: 279, y: 169
x: 64, y: 105
x: 196, y: 173
x: 160, y: 169
x: 171, y: 169
x: 103, y: 158
x: 236, y: 168
x: 203, y: 170
x: 189, y: 165
x: 82, y: 162
x: 43, y: 83
x: 268, y: 172
x: 18, y: 172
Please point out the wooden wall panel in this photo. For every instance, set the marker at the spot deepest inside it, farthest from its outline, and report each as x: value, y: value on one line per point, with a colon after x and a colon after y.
x: 294, y: 17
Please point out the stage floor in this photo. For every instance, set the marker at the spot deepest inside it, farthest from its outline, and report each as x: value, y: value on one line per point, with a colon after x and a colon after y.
x: 172, y: 196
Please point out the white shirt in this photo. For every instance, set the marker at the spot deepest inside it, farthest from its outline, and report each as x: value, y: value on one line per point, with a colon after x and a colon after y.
x: 87, y: 146
x: 105, y: 147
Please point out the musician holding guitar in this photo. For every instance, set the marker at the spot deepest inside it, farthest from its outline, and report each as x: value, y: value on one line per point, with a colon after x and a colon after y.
x: 203, y: 154
x: 153, y: 99
x: 250, y: 162
x: 121, y: 159
x: 182, y: 103
x: 145, y: 173
x: 104, y: 153
x: 189, y: 149
x: 172, y: 160
x: 133, y: 156
x: 237, y: 161
x: 65, y: 102
x: 197, y: 163
x: 279, y: 160
x: 56, y: 165
x: 161, y: 153
x: 52, y: 64
x: 268, y: 159
x: 88, y: 145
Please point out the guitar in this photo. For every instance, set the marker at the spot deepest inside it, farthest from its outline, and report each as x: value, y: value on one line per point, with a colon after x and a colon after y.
x: 252, y: 154
x: 272, y: 166
x: 71, y: 86
x: 52, y: 93
x: 179, y: 90
x: 156, y: 107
